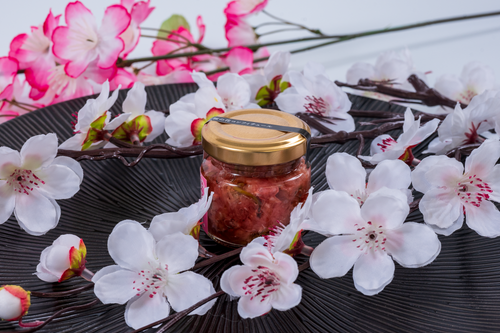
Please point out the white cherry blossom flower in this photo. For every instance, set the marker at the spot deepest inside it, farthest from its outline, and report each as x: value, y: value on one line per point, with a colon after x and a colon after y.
x: 449, y: 191
x: 62, y: 260
x: 269, y: 82
x: 314, y: 93
x: 462, y: 127
x: 186, y: 220
x: 367, y: 238
x: 93, y: 120
x: 32, y: 180
x: 391, y: 66
x: 345, y: 173
x: 384, y: 147
x: 141, y: 125
x: 475, y: 79
x: 150, y: 275
x: 264, y: 281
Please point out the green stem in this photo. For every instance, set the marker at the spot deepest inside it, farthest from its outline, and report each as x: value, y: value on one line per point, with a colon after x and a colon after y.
x: 338, y: 39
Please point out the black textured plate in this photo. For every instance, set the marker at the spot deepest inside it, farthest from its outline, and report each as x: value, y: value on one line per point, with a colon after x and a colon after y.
x: 459, y: 291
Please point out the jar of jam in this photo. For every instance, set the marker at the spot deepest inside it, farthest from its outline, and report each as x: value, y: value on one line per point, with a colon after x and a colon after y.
x: 257, y: 175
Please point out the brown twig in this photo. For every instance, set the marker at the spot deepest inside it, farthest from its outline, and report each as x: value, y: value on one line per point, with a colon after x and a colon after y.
x: 63, y: 293
x: 215, y: 259
x: 465, y: 149
x: 414, y: 205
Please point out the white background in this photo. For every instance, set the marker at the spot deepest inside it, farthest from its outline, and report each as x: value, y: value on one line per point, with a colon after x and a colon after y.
x: 441, y: 49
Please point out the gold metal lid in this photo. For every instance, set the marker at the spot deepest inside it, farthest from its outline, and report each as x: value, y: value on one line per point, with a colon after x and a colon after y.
x: 237, y: 144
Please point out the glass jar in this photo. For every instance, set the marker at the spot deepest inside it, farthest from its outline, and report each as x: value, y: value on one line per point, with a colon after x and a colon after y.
x: 257, y: 175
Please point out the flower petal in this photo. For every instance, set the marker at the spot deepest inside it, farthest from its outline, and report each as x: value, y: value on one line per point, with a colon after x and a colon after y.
x: 413, y: 244
x: 483, y: 159
x: 74, y: 143
x: 393, y: 174
x: 334, y: 257
x: 440, y: 207
x: 485, y: 220
x: 7, y: 201
x: 227, y: 278
x: 116, y: 287
x: 10, y: 160
x: 178, y: 128
x: 372, y: 272
x: 255, y: 254
x: 285, y: 267
x: 60, y: 182
x: 135, y: 103
x: 457, y: 224
x: 286, y: 297
x: 35, y: 213
x: 178, y: 251
x: 144, y: 310
x: 345, y: 173
x: 39, y: 151
x: 70, y: 163
x: 188, y: 288
x: 335, y: 212
x: 418, y: 178
x: 131, y: 246
x: 386, y: 207
x: 251, y: 308
x: 105, y: 271
x: 57, y: 260
x: 157, y: 122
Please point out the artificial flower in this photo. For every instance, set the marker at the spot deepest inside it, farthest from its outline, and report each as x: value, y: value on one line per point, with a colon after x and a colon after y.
x: 268, y: 83
x: 240, y: 60
x: 81, y: 42
x: 14, y: 302
x: 186, y: 220
x: 32, y: 180
x: 239, y: 32
x: 314, y: 93
x: 140, y: 125
x: 345, y: 173
x: 392, y: 67
x: 93, y: 121
x: 475, y: 79
x: 463, y: 126
x: 18, y: 101
x: 450, y: 191
x: 139, y: 12
x: 245, y: 7
x: 288, y: 239
x: 8, y: 71
x: 64, y: 259
x: 263, y: 282
x: 367, y: 237
x: 34, y: 54
x: 148, y: 275
x: 384, y: 147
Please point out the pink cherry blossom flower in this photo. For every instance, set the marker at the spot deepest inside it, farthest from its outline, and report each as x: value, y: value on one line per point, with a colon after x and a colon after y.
x: 186, y: 220
x: 240, y: 60
x: 367, y: 237
x: 475, y: 79
x: 139, y: 12
x: 18, y: 102
x: 450, y: 191
x: 268, y: 83
x: 138, y: 125
x: 14, y: 302
x: 148, y: 275
x: 124, y: 78
x: 314, y: 93
x: 384, y: 147
x: 462, y: 127
x: 81, y: 42
x: 93, y: 120
x: 64, y: 259
x: 34, y: 53
x: 239, y: 32
x: 263, y: 282
x: 244, y: 7
x: 32, y: 180
x: 345, y: 173
x: 8, y: 70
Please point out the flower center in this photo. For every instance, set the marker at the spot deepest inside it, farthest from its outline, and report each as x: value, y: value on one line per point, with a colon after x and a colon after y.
x: 370, y: 238
x: 317, y: 106
x: 473, y: 190
x: 466, y: 96
x: 472, y: 136
x: 262, y: 284
x: 386, y: 143
x: 151, y: 280
x: 273, y: 236
x: 360, y: 196
x: 24, y: 181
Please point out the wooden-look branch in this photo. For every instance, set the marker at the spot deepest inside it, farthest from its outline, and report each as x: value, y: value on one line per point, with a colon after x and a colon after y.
x: 423, y: 95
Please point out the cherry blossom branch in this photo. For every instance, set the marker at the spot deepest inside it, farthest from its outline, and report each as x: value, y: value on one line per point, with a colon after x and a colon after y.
x: 57, y: 314
x: 63, y: 293
x: 338, y: 39
x: 300, y: 26
x: 465, y: 150
x: 217, y: 258
x: 424, y: 94
x: 172, y: 319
